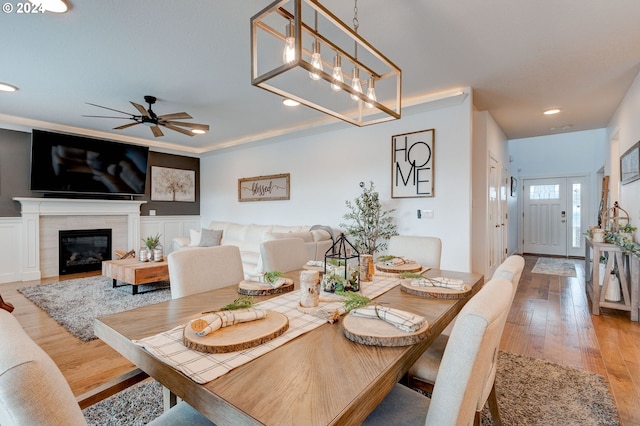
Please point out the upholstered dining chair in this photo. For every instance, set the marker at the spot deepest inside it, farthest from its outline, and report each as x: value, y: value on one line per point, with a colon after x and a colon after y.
x: 466, y: 364
x: 424, y: 250
x: 200, y: 269
x: 284, y: 255
x: 33, y: 390
x: 423, y: 373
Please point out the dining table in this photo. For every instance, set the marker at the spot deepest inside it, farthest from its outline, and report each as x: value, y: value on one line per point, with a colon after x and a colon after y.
x: 320, y: 377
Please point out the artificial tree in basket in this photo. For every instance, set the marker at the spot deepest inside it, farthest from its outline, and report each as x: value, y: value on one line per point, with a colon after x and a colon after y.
x: 368, y: 224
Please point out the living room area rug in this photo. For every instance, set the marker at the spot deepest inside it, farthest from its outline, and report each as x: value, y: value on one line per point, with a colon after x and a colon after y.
x: 555, y: 266
x: 76, y: 303
x: 530, y: 392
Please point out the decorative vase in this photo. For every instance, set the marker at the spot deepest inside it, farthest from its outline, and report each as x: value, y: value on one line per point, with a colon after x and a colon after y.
x: 598, y: 235
x: 613, y: 290
x: 156, y: 253
x: 143, y: 255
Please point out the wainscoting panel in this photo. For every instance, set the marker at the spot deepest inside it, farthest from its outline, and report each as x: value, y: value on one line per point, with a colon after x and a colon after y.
x: 11, y: 249
x: 169, y: 227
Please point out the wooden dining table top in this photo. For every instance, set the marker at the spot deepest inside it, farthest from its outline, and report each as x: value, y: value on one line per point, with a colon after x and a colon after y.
x: 318, y: 378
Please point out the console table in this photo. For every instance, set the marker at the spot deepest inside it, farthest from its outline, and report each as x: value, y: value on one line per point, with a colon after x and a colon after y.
x: 628, y: 279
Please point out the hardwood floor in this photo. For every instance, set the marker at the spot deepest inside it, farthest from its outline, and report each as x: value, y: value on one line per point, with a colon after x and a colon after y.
x: 550, y: 319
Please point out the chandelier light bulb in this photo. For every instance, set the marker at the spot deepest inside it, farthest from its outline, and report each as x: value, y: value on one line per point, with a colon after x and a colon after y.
x: 289, y: 52
x: 316, y: 61
x: 337, y: 73
x: 371, y: 93
x: 355, y: 83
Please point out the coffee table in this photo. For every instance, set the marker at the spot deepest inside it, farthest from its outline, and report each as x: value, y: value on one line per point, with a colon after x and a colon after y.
x: 133, y: 272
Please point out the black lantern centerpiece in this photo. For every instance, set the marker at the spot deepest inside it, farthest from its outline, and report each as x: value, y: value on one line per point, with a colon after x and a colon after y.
x: 341, y: 267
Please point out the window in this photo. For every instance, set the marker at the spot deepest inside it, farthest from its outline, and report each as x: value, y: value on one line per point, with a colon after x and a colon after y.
x: 544, y: 192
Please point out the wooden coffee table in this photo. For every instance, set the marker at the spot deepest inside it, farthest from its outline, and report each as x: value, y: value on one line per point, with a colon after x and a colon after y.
x: 133, y: 272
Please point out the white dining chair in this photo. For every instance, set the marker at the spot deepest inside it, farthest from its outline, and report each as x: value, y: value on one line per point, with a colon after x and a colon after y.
x: 284, y: 255
x: 33, y: 390
x: 466, y: 364
x: 200, y: 269
x: 426, y: 251
x: 424, y: 372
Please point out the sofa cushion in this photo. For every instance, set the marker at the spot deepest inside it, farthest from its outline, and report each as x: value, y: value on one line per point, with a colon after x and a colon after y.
x: 320, y: 235
x: 234, y: 234
x: 307, y: 237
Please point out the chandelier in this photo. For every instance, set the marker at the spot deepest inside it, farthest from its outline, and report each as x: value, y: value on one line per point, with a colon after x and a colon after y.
x: 302, y: 51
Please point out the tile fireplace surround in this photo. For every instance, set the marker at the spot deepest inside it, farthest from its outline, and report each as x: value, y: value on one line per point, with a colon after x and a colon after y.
x: 42, y: 218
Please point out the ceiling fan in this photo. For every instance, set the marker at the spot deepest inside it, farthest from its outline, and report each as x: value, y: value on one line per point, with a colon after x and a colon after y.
x: 149, y: 118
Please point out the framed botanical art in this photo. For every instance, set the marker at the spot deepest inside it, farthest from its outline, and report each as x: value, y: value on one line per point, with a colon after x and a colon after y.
x: 630, y: 164
x: 264, y: 188
x: 169, y: 184
x: 514, y: 186
x: 412, y: 162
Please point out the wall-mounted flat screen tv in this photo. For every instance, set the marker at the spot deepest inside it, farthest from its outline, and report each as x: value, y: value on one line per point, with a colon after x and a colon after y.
x: 63, y: 163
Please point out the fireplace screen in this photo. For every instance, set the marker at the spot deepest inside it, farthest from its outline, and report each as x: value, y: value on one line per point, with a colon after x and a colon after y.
x: 83, y: 250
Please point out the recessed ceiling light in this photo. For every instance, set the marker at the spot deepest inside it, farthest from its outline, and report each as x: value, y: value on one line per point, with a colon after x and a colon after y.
x: 55, y: 6
x: 290, y: 102
x: 198, y: 131
x: 552, y: 111
x: 5, y: 87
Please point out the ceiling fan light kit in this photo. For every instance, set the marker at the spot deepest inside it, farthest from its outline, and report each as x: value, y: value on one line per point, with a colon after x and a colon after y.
x: 149, y: 118
x: 302, y: 51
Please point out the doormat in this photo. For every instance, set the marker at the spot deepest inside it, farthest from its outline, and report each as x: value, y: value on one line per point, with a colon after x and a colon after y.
x: 555, y: 266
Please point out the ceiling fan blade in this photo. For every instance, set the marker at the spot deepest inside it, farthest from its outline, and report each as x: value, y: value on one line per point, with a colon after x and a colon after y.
x: 106, y: 116
x: 156, y: 131
x: 141, y: 109
x: 178, y: 129
x: 190, y: 125
x: 111, y: 109
x: 124, y: 126
x: 175, y: 116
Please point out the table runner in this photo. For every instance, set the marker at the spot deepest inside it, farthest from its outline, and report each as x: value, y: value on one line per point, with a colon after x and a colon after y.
x: 204, y: 367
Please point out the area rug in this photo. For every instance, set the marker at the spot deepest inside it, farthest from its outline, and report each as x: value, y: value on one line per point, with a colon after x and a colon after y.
x: 76, y: 303
x: 536, y: 392
x: 530, y: 392
x: 555, y: 266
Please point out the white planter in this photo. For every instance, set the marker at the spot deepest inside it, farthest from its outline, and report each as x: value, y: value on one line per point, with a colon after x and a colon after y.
x: 613, y: 291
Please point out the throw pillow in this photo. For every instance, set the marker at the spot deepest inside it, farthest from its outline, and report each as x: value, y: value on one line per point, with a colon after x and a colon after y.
x: 194, y: 238
x: 210, y: 237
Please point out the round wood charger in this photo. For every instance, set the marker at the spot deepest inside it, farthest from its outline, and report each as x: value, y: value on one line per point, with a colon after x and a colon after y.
x: 376, y: 332
x: 397, y: 269
x: 435, y: 292
x: 255, y: 288
x: 239, y: 336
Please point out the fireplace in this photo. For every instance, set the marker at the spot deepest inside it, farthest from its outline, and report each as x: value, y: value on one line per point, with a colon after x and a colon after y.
x: 83, y: 250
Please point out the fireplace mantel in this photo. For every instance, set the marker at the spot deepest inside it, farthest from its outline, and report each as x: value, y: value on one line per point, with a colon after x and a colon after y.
x: 33, y: 208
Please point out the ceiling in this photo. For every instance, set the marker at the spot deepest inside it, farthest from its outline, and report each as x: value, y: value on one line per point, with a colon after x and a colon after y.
x: 519, y: 58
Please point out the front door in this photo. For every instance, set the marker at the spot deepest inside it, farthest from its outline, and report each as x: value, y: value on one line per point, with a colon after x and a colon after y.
x: 553, y: 220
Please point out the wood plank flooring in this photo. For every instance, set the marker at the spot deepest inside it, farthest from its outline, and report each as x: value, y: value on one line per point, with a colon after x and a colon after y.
x: 550, y: 319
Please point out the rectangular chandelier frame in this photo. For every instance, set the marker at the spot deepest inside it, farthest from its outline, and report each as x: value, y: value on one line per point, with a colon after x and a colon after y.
x: 268, y: 34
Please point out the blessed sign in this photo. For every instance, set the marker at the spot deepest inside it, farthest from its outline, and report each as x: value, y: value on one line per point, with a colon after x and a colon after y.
x: 412, y: 164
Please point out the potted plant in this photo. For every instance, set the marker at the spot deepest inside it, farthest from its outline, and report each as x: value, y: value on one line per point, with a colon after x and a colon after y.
x: 153, y: 249
x: 152, y: 242
x: 368, y: 224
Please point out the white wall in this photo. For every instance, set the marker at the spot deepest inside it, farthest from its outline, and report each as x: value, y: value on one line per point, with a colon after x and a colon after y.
x: 627, y: 126
x: 326, y: 169
x: 566, y: 154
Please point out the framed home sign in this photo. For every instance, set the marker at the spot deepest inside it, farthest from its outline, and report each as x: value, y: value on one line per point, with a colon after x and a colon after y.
x: 264, y: 188
x: 630, y: 164
x: 412, y: 156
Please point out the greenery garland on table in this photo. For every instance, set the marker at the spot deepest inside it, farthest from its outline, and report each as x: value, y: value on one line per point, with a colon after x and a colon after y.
x: 627, y: 245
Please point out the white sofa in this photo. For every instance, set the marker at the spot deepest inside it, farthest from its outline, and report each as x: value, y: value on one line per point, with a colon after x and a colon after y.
x: 249, y: 237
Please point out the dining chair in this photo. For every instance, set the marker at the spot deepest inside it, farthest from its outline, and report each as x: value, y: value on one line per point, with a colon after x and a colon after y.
x: 284, y: 255
x: 200, y: 269
x: 466, y: 364
x: 424, y: 250
x: 424, y: 372
x: 33, y: 390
